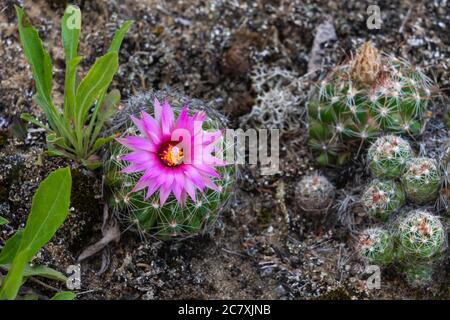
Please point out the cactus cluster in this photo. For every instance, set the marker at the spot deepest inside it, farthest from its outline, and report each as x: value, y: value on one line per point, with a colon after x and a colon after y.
x: 359, y: 100
x: 315, y: 193
x: 416, y: 243
x: 417, y: 238
x: 390, y: 158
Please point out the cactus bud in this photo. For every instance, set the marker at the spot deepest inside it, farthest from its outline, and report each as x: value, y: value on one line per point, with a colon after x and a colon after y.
x: 315, y: 193
x: 366, y: 65
x: 383, y: 198
x: 422, y: 180
x: 388, y: 156
x: 376, y: 246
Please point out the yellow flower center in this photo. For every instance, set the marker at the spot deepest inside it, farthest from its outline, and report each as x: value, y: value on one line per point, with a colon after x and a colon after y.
x: 170, y: 154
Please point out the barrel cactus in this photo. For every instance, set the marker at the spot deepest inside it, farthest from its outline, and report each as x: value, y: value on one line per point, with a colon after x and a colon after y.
x: 422, y: 180
x: 383, y: 198
x: 376, y: 246
x: 315, y: 193
x: 359, y: 100
x: 165, y: 184
x: 421, y: 236
x: 388, y: 155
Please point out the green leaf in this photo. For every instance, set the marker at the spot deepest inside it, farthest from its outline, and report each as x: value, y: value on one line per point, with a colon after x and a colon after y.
x: 118, y: 36
x: 65, y: 295
x: 38, y: 57
x: 3, y: 221
x: 70, y: 31
x: 11, y: 247
x: 100, y: 142
x: 39, y: 271
x: 45, y: 272
x: 70, y: 85
x: 49, y: 209
x: 96, y: 80
x: 109, y: 105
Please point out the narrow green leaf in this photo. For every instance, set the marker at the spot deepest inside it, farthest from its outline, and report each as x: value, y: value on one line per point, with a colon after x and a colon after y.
x: 70, y: 31
x: 118, y: 36
x: 70, y: 86
x: 11, y: 247
x: 3, y: 221
x: 37, y: 56
x: 108, y: 107
x: 45, y: 272
x: 100, y: 142
x: 65, y: 295
x: 49, y: 209
x: 96, y: 80
x: 30, y: 297
x: 39, y: 271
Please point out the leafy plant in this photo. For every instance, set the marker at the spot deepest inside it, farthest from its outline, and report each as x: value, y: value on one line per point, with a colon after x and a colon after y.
x: 74, y: 131
x: 49, y: 209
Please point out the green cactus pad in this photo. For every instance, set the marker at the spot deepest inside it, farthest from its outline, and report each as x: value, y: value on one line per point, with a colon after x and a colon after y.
x: 383, y: 198
x: 376, y: 246
x: 422, y: 180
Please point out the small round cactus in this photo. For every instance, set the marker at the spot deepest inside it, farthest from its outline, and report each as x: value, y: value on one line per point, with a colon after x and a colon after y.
x: 153, y: 184
x: 315, y: 193
x: 376, y: 246
x: 422, y: 180
x: 388, y: 156
x: 359, y: 100
x: 421, y: 235
x: 419, y: 275
x: 383, y: 198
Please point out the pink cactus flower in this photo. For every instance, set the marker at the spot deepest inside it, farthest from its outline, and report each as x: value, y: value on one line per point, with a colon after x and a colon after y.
x: 174, y: 156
